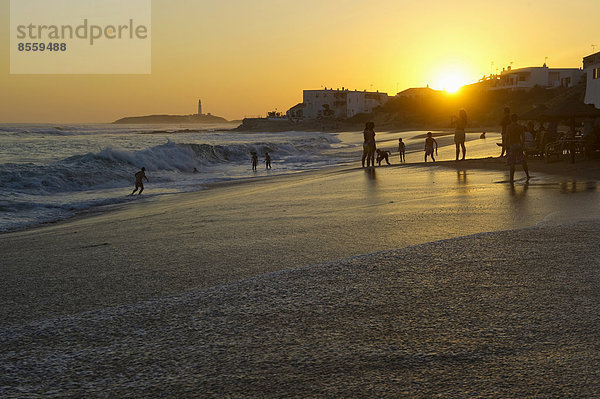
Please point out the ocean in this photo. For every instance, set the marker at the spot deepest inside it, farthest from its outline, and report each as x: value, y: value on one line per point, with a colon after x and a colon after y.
x: 50, y: 172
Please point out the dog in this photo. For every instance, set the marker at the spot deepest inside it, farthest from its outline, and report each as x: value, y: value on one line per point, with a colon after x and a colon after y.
x: 381, y: 155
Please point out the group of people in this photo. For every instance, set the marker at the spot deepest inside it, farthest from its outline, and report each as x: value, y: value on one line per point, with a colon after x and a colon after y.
x: 370, y: 150
x: 255, y: 160
x: 141, y: 174
x: 459, y: 123
x: 515, y: 141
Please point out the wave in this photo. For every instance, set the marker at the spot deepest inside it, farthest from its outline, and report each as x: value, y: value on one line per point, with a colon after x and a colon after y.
x: 114, y: 167
x: 45, y: 130
x: 65, y: 130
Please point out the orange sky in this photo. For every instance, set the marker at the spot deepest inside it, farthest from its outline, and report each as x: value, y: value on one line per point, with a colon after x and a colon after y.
x: 244, y: 58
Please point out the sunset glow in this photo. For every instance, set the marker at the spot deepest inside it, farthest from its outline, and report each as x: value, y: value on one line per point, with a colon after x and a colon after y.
x: 245, y: 58
x: 451, y: 81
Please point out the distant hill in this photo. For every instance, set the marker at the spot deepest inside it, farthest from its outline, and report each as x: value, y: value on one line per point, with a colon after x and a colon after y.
x: 169, y: 119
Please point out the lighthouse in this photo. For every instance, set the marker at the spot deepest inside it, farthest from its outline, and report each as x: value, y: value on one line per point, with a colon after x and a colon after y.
x: 199, y: 107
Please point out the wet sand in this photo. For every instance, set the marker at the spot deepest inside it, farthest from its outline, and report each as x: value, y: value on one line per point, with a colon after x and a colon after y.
x: 172, y: 296
x: 507, y: 314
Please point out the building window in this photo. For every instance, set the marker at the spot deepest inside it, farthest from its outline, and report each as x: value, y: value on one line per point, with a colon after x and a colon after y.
x: 596, y: 72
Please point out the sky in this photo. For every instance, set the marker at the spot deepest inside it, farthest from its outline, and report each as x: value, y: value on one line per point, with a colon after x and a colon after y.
x: 244, y: 58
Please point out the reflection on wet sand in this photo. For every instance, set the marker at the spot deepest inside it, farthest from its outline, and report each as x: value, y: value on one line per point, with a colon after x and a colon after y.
x: 572, y: 186
x: 461, y: 176
x: 371, y: 174
x: 518, y: 191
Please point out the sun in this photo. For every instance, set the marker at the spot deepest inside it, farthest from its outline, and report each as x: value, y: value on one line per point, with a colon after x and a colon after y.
x: 451, y: 82
x: 451, y: 79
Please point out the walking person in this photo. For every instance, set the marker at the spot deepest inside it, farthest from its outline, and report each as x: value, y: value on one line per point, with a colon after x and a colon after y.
x: 268, y: 160
x: 515, y: 144
x: 429, y: 142
x: 139, y: 183
x: 460, y: 124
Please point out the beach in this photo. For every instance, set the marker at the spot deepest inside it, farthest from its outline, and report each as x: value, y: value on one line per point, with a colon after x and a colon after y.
x: 416, y: 280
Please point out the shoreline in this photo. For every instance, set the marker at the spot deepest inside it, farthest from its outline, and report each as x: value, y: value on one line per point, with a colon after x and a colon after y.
x: 234, y: 230
x: 581, y: 169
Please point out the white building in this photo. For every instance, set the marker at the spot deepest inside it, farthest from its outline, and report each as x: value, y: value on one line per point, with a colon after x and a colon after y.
x: 591, y: 67
x: 528, y: 78
x: 338, y: 103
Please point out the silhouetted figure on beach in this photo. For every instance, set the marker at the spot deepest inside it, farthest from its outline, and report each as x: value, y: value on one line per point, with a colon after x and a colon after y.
x: 381, y: 155
x: 515, y: 144
x: 482, y: 135
x: 254, y: 160
x: 369, y: 145
x: 268, y: 160
x: 139, y: 176
x: 460, y: 124
x: 402, y: 150
x: 429, y: 143
x: 530, y: 143
x: 504, y: 123
x: 195, y: 170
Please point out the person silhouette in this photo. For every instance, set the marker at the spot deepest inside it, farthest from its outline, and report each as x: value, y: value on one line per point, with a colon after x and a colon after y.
x: 402, y: 150
x: 268, y: 160
x: 429, y: 142
x: 369, y: 146
x: 139, y: 176
x: 254, y: 160
x: 515, y: 144
x: 460, y: 123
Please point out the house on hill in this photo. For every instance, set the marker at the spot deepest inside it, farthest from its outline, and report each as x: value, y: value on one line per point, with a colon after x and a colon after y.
x: 591, y: 68
x: 528, y: 78
x: 417, y: 93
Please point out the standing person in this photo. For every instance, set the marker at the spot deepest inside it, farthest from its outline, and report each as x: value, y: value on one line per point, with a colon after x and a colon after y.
x: 254, y: 160
x: 504, y: 123
x: 429, y: 142
x: 515, y: 143
x: 268, y: 160
x: 460, y: 123
x: 139, y: 176
x: 402, y: 150
x: 369, y: 145
x: 529, y: 145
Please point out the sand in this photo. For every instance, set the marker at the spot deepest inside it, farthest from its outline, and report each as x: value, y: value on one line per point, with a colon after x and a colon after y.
x: 507, y: 314
x: 239, y: 291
